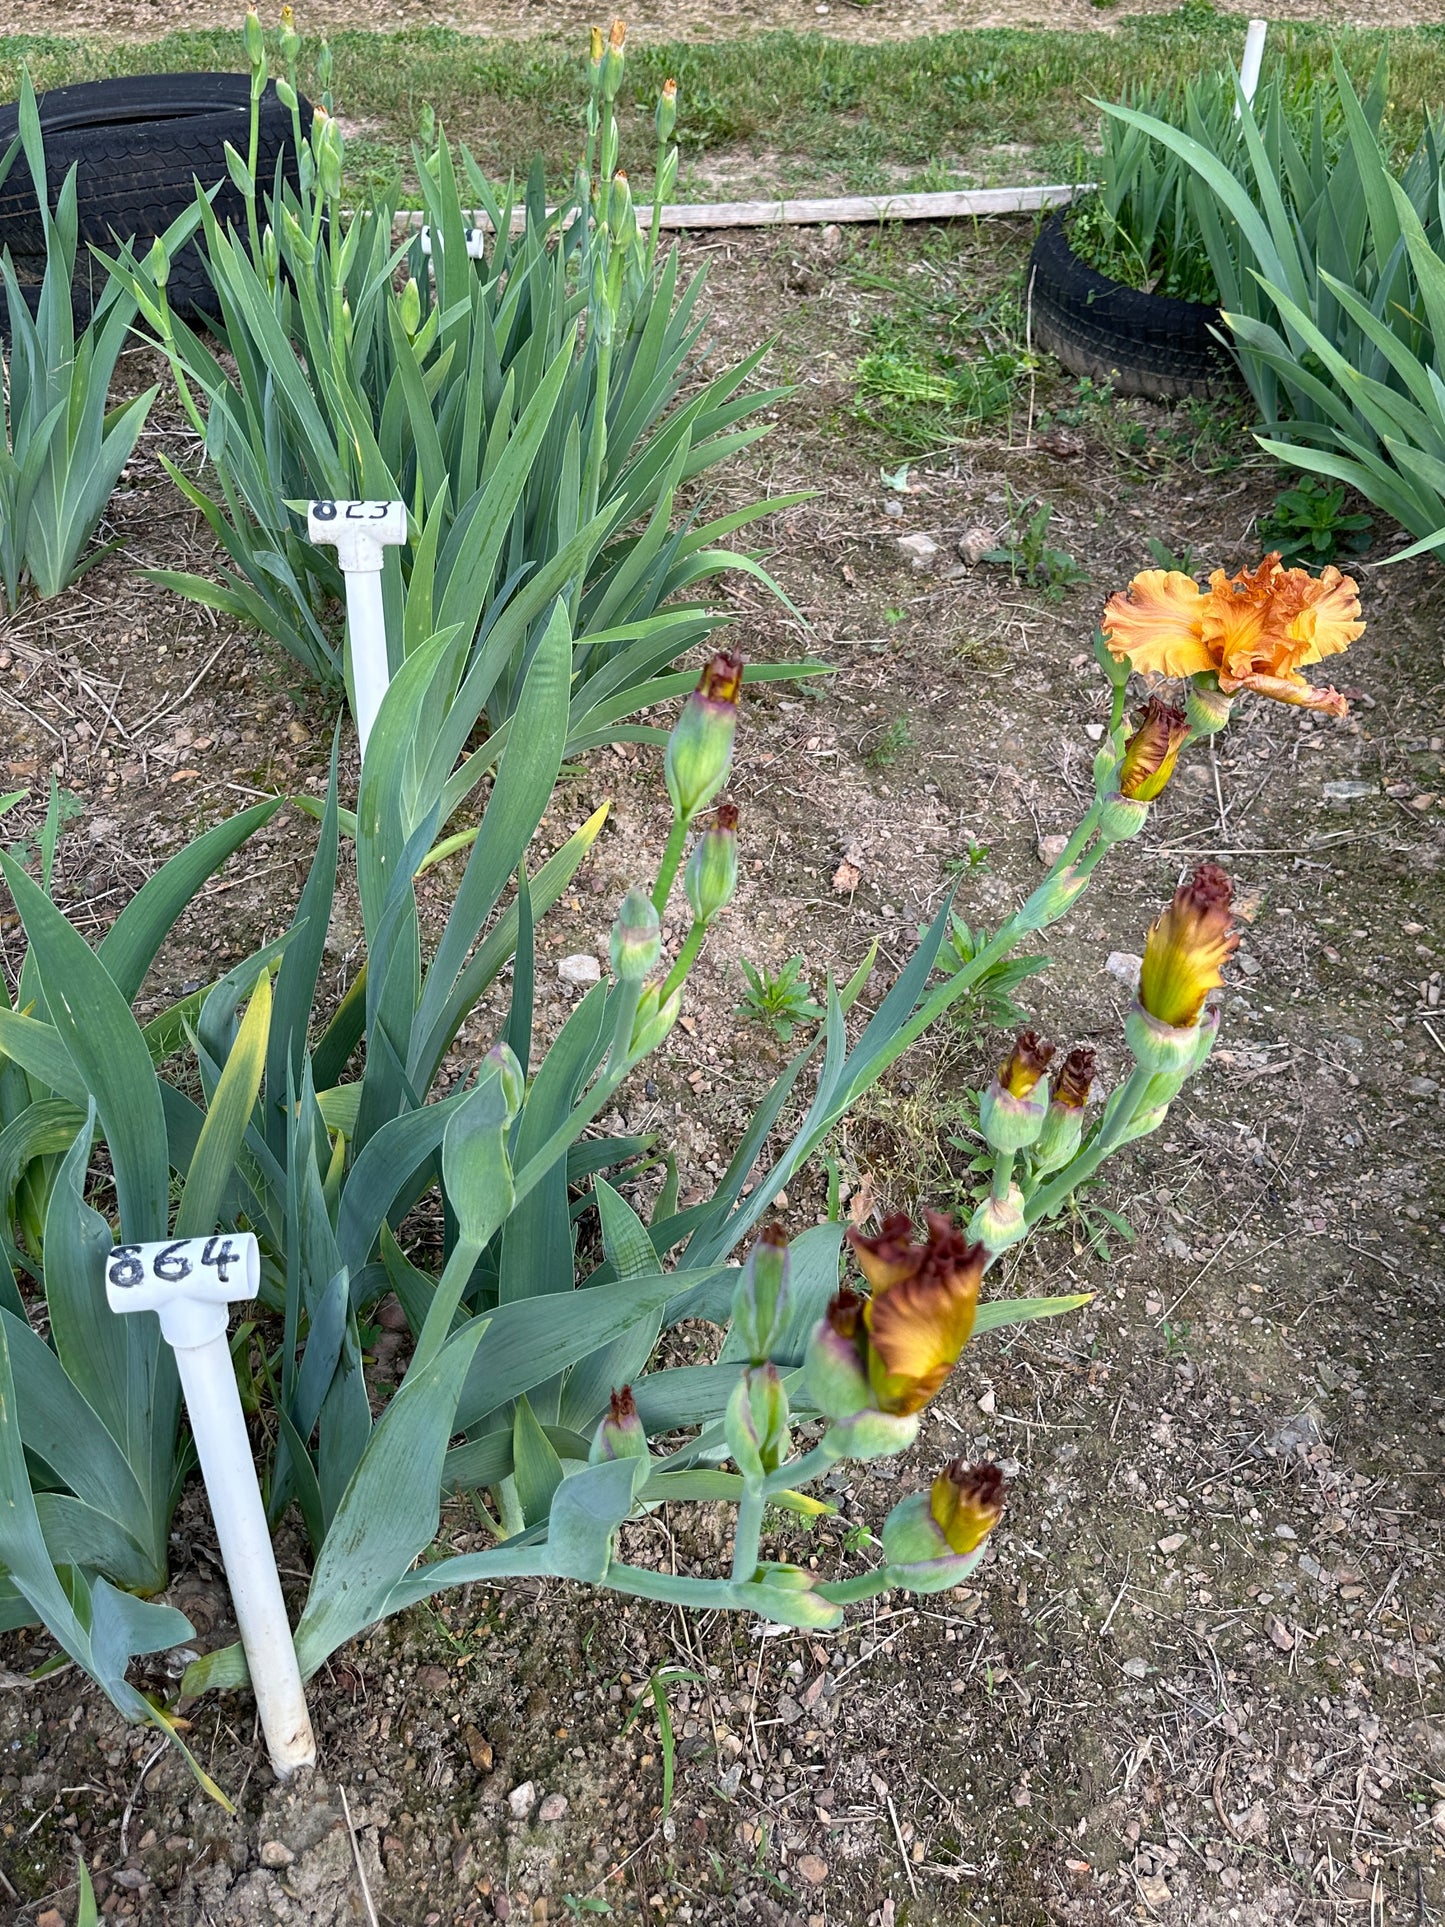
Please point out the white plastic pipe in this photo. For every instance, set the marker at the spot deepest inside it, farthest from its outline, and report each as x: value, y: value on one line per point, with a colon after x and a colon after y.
x: 190, y: 1283
x: 1253, y: 57
x: 361, y: 532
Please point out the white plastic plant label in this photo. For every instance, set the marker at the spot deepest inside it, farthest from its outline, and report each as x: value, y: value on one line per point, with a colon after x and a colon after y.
x: 215, y: 1270
x: 476, y: 242
x: 378, y: 521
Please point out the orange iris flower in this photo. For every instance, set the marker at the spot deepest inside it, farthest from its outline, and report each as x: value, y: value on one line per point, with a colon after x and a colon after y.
x: 1254, y: 630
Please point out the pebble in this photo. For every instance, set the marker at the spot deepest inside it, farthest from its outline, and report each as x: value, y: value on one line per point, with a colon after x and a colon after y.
x: 275, y: 1853
x: 1094, y: 732
x: 1124, y: 965
x: 1174, y: 1541
x: 580, y: 969
x: 973, y: 543
x: 893, y: 510
x: 813, y: 1870
x: 1051, y: 848
x: 1136, y: 1668
x: 921, y: 550
x: 521, y: 1800
x: 1346, y: 790
x: 1279, y: 1633
x: 554, y: 1807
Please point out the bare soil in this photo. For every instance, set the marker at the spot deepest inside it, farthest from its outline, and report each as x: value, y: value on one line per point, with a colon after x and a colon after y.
x: 860, y: 20
x: 1199, y: 1679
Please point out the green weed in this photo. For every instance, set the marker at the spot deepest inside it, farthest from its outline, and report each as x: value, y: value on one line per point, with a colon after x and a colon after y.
x: 780, y: 999
x: 1031, y: 555
x: 1308, y: 524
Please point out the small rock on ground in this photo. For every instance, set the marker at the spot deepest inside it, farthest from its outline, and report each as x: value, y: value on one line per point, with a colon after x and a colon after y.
x: 580, y: 969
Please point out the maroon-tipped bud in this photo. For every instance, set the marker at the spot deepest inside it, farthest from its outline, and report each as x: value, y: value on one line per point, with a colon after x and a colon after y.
x: 1026, y: 1063
x: 700, y: 748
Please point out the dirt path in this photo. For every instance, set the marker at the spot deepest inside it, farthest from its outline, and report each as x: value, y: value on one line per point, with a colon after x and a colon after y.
x: 675, y: 19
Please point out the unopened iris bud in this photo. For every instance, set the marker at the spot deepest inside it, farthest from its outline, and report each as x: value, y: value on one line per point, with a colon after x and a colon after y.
x: 654, y: 1019
x: 330, y: 152
x: 636, y: 942
x: 1184, y: 956
x: 787, y: 1596
x: 760, y: 1301
x: 1012, y: 1110
x: 324, y: 63
x: 501, y: 1062
x: 594, y: 50
x: 1187, y: 948
x: 1121, y: 817
x: 999, y: 1222
x: 290, y: 39
x: 620, y: 1435
x: 700, y: 748
x: 833, y: 1369
x: 158, y: 262
x: 933, y: 1540
x: 1206, y: 706
x: 665, y: 118
x: 756, y: 1422
x: 253, y: 39
x: 613, y: 60
x: 409, y: 308
x: 287, y: 95
x: 1152, y: 751
x: 621, y: 214
x: 711, y: 875
x: 1064, y: 1126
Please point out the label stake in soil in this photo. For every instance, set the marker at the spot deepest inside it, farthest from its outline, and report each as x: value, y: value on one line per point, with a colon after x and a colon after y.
x: 360, y: 532
x: 189, y: 1283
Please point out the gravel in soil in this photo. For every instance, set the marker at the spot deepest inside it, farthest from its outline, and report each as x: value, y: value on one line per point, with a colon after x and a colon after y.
x: 1199, y: 1679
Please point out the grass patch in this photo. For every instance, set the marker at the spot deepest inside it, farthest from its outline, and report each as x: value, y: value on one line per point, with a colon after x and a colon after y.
x: 808, y: 110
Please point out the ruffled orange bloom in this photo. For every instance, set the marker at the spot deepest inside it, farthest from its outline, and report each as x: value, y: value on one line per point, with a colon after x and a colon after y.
x: 921, y: 1314
x: 1254, y: 630
x: 1187, y: 949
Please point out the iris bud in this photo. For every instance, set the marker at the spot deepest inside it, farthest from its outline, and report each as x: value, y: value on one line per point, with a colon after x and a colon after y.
x: 636, y: 942
x: 711, y: 875
x: 700, y: 748
x: 409, y: 308
x: 786, y: 1595
x: 756, y: 1422
x: 760, y: 1301
x: 1206, y: 707
x: 253, y: 39
x: 654, y: 1019
x: 665, y: 118
x: 999, y: 1222
x: 620, y: 1435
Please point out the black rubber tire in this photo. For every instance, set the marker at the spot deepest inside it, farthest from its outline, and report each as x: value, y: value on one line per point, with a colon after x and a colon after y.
x: 139, y: 146
x: 1141, y: 344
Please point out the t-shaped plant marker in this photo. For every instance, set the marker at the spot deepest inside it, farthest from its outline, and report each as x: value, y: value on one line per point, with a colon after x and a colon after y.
x: 189, y: 1283
x: 360, y: 532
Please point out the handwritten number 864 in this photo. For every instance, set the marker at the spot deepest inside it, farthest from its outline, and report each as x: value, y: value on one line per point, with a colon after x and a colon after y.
x: 172, y: 1264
